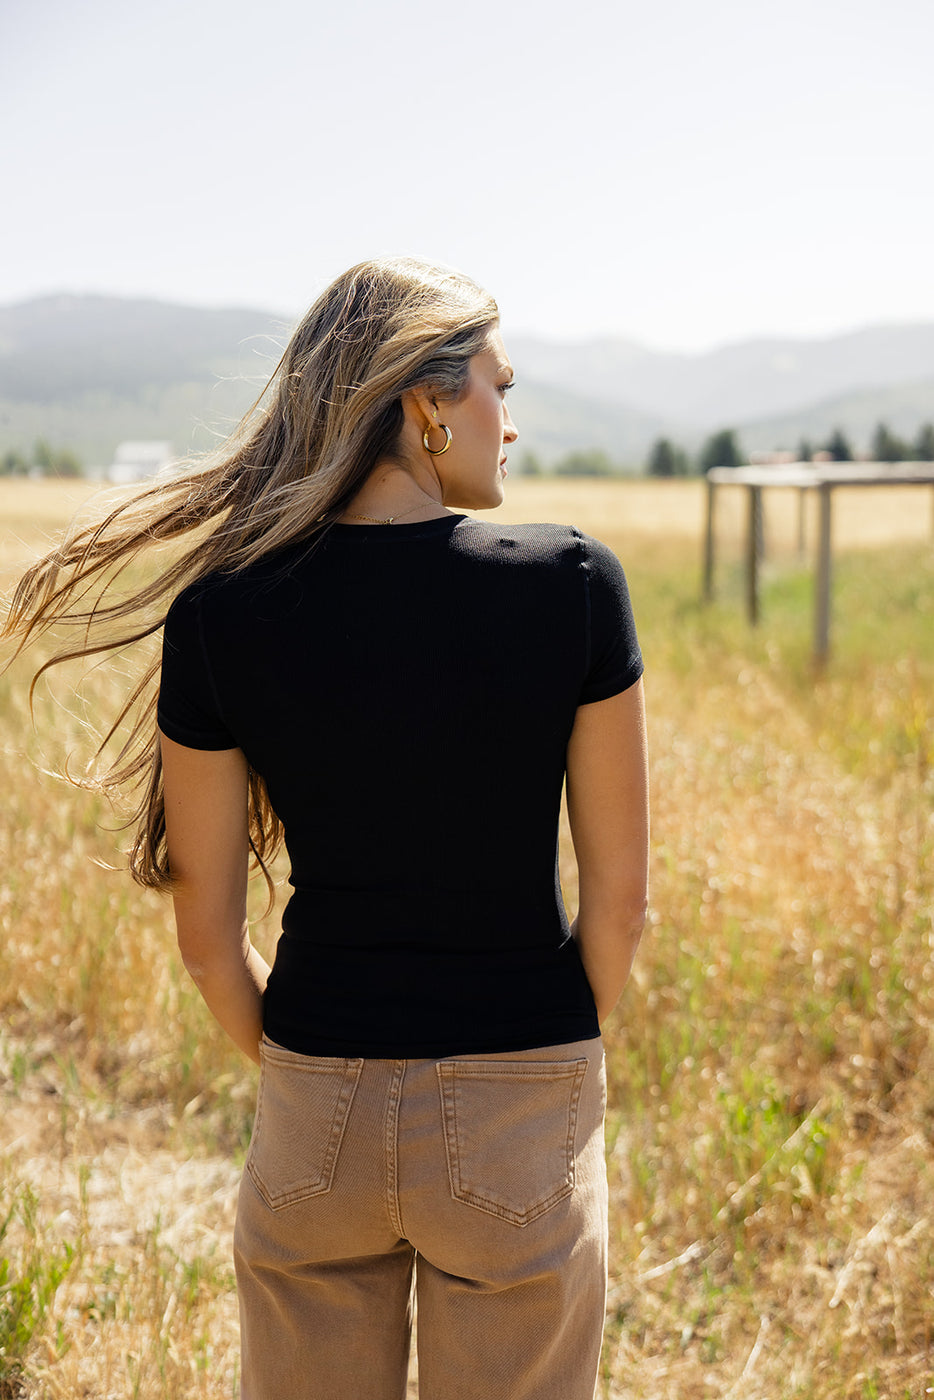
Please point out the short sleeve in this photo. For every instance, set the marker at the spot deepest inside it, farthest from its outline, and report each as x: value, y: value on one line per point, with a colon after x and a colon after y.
x: 189, y: 711
x: 614, y: 657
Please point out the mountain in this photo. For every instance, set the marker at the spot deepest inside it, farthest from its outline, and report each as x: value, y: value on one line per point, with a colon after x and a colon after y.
x: 58, y: 348
x: 734, y: 384
x: 553, y: 421
x: 87, y: 372
x: 902, y: 407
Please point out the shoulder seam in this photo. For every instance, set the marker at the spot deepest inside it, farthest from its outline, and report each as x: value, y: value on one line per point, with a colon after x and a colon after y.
x: 584, y: 565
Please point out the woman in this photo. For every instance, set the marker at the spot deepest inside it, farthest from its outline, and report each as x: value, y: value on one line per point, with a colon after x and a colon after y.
x: 402, y: 690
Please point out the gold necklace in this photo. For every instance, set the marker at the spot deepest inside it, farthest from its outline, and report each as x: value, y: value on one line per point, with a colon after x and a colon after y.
x: 372, y: 520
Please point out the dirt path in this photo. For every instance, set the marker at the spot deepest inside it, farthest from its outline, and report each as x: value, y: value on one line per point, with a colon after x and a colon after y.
x: 152, y: 1227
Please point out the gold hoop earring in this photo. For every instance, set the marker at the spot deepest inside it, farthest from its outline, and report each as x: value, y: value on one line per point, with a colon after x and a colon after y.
x: 448, y: 439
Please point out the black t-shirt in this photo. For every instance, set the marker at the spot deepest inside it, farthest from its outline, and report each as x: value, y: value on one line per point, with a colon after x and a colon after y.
x: 407, y: 692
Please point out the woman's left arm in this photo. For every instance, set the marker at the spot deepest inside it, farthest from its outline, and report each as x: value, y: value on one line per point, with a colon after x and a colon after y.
x: 608, y: 808
x: 207, y: 833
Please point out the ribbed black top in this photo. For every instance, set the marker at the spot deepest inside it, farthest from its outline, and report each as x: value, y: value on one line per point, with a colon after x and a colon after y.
x: 407, y: 692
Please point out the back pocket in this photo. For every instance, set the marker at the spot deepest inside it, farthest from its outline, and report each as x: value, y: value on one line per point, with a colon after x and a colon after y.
x: 509, y: 1129
x: 301, y: 1113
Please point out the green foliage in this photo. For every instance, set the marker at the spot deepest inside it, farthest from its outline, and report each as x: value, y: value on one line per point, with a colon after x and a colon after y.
x: 805, y: 451
x: 42, y: 455
x: 838, y: 447
x: 886, y: 447
x: 591, y: 461
x: 721, y: 450
x: 923, y: 447
x: 530, y: 465
x: 29, y: 1280
x: 665, y: 459
x: 55, y: 461
x: 14, y: 463
x: 44, y: 459
x: 66, y: 463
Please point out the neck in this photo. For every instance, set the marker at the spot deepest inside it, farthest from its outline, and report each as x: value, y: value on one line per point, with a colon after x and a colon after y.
x: 391, y: 492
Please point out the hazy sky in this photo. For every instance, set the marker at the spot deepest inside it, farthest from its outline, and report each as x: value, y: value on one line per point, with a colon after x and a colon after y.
x: 679, y: 172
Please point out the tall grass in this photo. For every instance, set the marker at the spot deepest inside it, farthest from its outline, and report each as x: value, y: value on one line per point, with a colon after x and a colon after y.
x: 771, y: 1117
x: 772, y: 1062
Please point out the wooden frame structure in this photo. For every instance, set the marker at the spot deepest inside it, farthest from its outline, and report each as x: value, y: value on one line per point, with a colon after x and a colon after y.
x: 822, y: 477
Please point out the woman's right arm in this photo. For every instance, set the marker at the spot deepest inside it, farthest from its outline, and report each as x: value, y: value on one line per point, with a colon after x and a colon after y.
x: 209, y: 847
x: 608, y: 808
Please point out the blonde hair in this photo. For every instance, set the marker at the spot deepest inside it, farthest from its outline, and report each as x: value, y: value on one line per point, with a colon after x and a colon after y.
x: 330, y: 412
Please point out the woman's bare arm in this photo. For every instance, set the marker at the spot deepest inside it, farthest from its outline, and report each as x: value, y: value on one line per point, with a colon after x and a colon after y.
x: 608, y: 807
x: 208, y: 842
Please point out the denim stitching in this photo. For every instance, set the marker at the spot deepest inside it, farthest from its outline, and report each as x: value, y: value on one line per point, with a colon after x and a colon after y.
x: 349, y: 1070
x: 447, y: 1081
x: 394, y: 1099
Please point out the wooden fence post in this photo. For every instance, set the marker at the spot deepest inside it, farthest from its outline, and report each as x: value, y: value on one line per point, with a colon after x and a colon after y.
x: 707, y: 587
x: 823, y: 578
x: 753, y: 550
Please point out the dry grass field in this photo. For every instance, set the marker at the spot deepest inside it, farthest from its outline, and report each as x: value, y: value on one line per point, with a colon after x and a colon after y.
x: 771, y: 1119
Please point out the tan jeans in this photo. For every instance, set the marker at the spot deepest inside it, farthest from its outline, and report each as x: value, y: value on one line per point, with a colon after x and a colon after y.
x: 481, y: 1175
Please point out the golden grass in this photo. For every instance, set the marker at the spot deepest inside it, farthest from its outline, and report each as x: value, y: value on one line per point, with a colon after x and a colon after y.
x: 674, y: 510
x: 771, y: 1119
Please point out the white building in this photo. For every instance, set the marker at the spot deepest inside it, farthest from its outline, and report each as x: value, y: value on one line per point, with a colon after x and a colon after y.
x: 137, y: 461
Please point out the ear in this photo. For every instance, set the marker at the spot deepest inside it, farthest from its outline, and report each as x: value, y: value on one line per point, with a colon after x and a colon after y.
x: 422, y: 404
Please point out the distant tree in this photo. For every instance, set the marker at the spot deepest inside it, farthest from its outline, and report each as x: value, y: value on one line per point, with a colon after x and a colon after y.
x: 590, y: 461
x: 665, y: 459
x: 721, y: 450
x: 838, y: 447
x: 805, y: 451
x: 42, y: 455
x: 13, y: 463
x: 530, y: 465
x: 886, y: 447
x: 922, y: 449
x: 661, y: 458
x: 54, y: 461
x: 66, y: 463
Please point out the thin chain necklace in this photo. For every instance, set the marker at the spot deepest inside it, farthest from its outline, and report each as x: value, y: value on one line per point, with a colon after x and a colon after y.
x: 372, y: 520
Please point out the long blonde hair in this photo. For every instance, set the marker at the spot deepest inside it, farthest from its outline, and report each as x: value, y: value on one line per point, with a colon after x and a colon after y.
x: 330, y: 412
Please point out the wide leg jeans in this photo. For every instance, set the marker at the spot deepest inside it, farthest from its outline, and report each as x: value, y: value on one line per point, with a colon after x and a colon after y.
x: 476, y: 1182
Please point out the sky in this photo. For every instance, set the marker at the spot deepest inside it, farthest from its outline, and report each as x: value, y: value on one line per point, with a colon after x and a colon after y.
x: 680, y: 173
